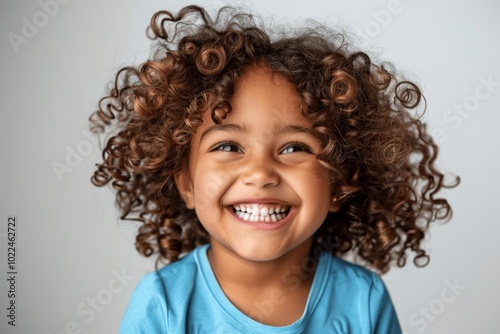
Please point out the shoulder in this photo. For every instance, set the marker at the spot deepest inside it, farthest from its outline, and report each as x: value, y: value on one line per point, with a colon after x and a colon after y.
x: 344, y: 272
x: 170, y: 278
x: 362, y: 294
x: 147, y: 310
x: 181, y: 272
x: 353, y: 278
x: 157, y: 293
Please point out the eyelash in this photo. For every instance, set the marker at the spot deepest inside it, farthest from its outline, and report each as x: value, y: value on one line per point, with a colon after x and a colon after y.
x: 226, y: 143
x: 303, y: 147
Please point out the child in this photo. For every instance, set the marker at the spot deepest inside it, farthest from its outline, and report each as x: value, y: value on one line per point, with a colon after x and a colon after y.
x: 252, y: 163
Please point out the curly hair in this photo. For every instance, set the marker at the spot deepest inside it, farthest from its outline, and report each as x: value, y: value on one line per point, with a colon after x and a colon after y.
x: 380, y: 157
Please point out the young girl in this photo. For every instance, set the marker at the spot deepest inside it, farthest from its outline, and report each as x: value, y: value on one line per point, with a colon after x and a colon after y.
x: 252, y: 161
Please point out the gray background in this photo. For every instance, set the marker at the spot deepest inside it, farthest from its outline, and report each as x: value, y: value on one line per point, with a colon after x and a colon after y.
x: 70, y: 246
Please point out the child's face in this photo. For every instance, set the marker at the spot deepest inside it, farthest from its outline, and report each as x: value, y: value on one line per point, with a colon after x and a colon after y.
x: 258, y: 159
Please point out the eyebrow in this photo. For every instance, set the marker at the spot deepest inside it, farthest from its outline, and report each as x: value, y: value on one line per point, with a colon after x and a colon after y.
x: 238, y: 128
x: 221, y: 127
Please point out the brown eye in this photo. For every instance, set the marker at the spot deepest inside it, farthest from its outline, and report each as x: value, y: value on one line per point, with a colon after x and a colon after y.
x: 295, y: 147
x: 227, y: 147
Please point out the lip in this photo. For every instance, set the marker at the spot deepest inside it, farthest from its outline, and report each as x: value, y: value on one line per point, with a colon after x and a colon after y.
x: 266, y: 226
x: 260, y: 201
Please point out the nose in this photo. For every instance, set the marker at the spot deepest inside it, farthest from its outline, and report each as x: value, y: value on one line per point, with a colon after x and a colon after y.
x: 260, y: 172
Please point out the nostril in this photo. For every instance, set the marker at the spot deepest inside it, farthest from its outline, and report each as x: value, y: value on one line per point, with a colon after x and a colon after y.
x: 261, y: 178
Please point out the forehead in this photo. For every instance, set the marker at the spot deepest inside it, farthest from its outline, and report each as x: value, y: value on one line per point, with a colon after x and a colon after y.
x: 259, y: 85
x: 260, y: 92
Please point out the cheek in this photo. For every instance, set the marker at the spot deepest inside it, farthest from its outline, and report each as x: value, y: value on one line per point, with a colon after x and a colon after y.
x: 318, y: 188
x: 209, y: 186
x: 318, y: 178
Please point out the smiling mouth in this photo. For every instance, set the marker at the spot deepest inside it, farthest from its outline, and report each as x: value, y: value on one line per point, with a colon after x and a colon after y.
x: 261, y: 213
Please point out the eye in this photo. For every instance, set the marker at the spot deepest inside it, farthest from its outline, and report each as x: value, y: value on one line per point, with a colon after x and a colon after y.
x: 295, y: 147
x: 228, y: 146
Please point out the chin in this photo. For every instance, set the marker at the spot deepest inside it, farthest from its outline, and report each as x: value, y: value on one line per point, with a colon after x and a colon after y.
x: 258, y: 253
x: 259, y: 257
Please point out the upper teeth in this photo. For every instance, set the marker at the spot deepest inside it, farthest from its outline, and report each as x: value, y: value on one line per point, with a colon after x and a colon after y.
x: 261, y: 213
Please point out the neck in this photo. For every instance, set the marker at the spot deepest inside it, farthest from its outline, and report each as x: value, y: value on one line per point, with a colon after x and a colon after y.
x: 272, y: 292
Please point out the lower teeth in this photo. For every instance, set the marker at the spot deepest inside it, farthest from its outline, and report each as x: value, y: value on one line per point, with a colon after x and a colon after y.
x: 269, y: 218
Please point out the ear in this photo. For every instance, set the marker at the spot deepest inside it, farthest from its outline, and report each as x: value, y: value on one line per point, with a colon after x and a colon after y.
x: 185, y: 187
x: 336, y: 203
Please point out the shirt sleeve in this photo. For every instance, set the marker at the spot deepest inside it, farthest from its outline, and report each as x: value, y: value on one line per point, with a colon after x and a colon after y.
x: 147, y: 310
x: 383, y: 318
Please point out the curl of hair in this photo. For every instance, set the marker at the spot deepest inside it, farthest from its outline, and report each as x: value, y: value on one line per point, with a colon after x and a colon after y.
x: 381, y: 159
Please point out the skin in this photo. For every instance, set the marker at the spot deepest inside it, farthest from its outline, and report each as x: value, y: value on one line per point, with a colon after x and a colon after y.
x: 259, y: 155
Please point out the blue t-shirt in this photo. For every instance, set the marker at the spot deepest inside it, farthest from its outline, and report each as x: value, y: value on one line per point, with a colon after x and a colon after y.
x: 185, y: 297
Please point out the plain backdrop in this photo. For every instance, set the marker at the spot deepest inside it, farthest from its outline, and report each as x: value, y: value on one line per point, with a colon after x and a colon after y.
x: 76, y: 262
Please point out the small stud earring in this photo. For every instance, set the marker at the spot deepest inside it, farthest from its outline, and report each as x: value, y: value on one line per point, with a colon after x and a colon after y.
x: 335, y: 198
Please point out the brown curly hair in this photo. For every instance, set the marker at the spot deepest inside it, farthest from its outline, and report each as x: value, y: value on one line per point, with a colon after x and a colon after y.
x: 381, y: 159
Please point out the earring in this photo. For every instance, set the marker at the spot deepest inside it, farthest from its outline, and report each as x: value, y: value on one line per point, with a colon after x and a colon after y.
x: 335, y: 198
